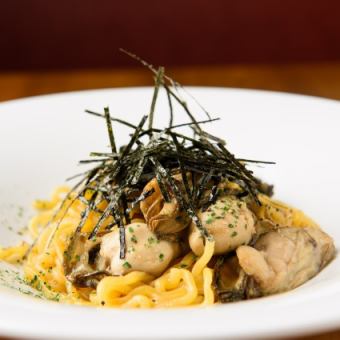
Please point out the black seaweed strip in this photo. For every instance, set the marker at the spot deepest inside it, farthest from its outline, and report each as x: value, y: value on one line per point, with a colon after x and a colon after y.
x: 66, y: 210
x: 141, y: 198
x: 193, y: 123
x: 212, y: 137
x: 181, y: 166
x: 78, y: 175
x: 202, y: 183
x: 134, y: 137
x: 87, y: 161
x: 175, y: 84
x: 108, y: 210
x: 171, y: 110
x: 250, y: 181
x: 139, y: 168
x: 53, y: 218
x: 84, y: 216
x: 158, y: 81
x: 125, y: 209
x: 237, y: 164
x: 193, y: 98
x: 109, y: 130
x: 186, y: 206
x: 127, y: 149
x: 212, y: 198
x: 184, y: 105
x: 104, y: 154
x: 120, y: 221
x: 123, y: 122
x: 161, y: 185
x: 254, y: 161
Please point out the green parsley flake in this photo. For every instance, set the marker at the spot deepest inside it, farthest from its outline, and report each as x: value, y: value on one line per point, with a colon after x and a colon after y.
x: 20, y: 211
x: 234, y: 234
x: 230, y: 225
x: 131, y: 250
x: 209, y: 220
x: 151, y: 240
x: 131, y: 230
x: 133, y: 239
x: 126, y: 265
x: 161, y: 256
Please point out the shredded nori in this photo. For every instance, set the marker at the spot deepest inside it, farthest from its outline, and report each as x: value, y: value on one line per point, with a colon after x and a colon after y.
x: 120, y: 177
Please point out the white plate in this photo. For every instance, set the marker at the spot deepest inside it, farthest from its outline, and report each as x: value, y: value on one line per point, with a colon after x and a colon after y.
x: 42, y: 138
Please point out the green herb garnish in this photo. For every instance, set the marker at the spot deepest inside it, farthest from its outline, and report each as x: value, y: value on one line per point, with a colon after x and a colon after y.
x: 126, y: 265
x: 133, y: 239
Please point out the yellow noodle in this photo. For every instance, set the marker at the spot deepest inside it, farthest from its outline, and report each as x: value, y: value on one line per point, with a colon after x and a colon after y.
x: 282, y: 214
x: 14, y: 254
x: 178, y: 286
x: 186, y: 283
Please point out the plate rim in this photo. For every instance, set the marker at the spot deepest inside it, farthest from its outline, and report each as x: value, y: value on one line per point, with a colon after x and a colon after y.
x: 321, y: 326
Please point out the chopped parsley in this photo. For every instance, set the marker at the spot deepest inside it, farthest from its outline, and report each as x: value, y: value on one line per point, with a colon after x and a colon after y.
x: 126, y: 265
x: 56, y: 298
x: 234, y: 234
x: 152, y: 240
x: 161, y: 257
x: 133, y: 239
x: 131, y: 250
x: 20, y: 211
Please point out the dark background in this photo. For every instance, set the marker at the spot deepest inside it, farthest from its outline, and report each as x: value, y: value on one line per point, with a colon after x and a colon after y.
x: 69, y: 34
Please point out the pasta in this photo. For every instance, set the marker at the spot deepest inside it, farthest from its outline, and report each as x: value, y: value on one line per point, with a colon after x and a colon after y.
x: 188, y: 282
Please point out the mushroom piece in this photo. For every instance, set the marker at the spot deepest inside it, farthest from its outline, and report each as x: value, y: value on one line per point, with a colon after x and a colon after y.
x: 81, y: 262
x: 230, y: 280
x: 229, y: 221
x: 284, y: 259
x: 144, y: 252
x: 163, y: 217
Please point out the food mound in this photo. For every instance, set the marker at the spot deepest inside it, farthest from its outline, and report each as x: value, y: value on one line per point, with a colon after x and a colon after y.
x: 168, y: 220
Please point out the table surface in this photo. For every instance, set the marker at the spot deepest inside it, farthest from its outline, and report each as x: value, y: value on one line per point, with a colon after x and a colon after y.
x: 312, y: 79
